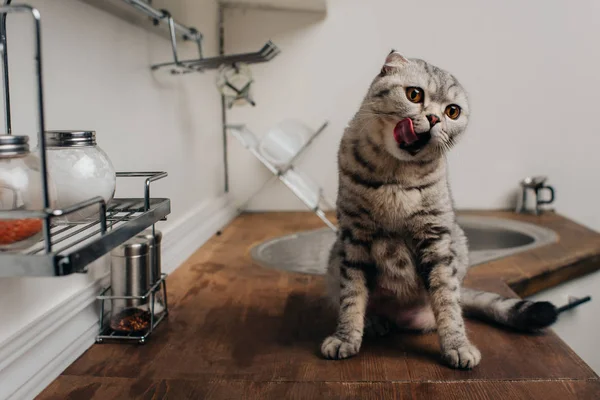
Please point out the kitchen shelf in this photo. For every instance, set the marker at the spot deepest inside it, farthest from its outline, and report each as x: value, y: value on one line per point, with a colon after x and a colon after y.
x: 266, y: 53
x: 76, y: 245
x: 145, y: 10
x: 68, y: 247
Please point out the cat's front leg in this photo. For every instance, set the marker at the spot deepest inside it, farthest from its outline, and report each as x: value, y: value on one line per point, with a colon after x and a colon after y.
x: 354, y: 268
x: 439, y: 268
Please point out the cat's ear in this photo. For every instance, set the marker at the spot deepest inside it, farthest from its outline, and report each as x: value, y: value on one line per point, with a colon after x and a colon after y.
x: 392, y: 61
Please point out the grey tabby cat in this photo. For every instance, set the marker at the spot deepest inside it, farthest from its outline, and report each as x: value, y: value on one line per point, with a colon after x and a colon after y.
x: 400, y: 255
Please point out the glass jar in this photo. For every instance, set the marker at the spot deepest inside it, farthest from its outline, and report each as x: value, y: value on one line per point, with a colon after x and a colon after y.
x: 20, y: 189
x: 78, y: 170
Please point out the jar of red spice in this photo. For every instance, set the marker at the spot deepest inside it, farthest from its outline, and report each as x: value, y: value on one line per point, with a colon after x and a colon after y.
x: 20, y: 189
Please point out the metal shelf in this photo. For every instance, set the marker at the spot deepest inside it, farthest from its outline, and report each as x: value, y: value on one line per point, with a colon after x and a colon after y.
x: 78, y: 244
x: 142, y: 14
x: 266, y: 53
x: 69, y: 247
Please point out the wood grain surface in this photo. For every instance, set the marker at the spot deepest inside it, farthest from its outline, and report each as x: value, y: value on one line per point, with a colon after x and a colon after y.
x: 240, y: 331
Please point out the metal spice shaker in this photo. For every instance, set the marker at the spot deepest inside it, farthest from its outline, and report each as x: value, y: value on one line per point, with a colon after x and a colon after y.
x: 154, y: 241
x: 130, y: 273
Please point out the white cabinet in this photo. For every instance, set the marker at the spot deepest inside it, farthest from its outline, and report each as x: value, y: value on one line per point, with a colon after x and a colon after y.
x: 580, y: 326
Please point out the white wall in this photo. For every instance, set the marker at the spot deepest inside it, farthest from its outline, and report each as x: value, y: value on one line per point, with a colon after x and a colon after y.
x: 97, y: 76
x: 530, y: 69
x: 579, y: 326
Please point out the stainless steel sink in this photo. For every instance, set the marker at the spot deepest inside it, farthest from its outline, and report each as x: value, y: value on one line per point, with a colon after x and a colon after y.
x: 489, y: 239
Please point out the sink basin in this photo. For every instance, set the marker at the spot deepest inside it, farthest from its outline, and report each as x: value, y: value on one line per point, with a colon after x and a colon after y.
x: 489, y: 239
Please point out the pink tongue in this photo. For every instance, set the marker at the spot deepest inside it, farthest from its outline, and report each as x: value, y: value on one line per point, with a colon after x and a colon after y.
x: 404, y: 132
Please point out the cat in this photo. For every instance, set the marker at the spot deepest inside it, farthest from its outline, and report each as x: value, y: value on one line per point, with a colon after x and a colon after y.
x: 399, y: 254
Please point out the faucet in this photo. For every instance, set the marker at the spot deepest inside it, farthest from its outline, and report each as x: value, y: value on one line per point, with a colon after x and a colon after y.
x: 535, y: 184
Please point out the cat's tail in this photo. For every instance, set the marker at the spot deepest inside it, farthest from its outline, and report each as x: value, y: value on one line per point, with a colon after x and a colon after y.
x: 518, y: 314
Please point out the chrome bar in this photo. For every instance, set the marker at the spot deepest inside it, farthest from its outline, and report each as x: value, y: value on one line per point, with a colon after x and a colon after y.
x: 5, y: 80
x: 158, y: 283
x: 171, y: 23
x: 266, y: 53
x: 4, y: 10
x: 151, y: 177
x: 77, y: 207
x: 188, y: 33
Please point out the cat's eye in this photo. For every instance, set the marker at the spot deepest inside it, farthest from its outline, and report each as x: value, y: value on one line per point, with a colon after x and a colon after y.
x: 414, y: 94
x: 452, y: 111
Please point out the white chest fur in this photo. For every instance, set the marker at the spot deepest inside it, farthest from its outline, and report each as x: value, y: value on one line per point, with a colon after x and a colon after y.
x: 392, y: 204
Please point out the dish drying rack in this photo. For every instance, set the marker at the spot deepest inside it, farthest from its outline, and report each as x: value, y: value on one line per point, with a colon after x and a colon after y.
x: 298, y: 183
x: 70, y: 247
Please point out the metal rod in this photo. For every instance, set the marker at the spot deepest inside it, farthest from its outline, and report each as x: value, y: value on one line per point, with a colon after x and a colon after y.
x: 141, y: 174
x: 216, y: 62
x: 5, y: 80
x: 91, y: 234
x: 40, y: 104
x: 165, y: 305
x: 171, y: 23
x: 148, y: 293
x: 77, y: 206
x: 188, y: 33
x: 151, y: 177
x: 221, y: 23
x: 42, y: 127
x: 69, y: 232
x: 326, y: 220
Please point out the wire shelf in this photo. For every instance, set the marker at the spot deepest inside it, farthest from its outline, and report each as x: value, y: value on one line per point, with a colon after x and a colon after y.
x: 266, y: 53
x: 73, y: 245
x: 69, y: 247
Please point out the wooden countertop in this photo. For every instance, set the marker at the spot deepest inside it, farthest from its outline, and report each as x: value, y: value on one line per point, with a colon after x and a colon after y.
x: 576, y: 253
x: 240, y: 331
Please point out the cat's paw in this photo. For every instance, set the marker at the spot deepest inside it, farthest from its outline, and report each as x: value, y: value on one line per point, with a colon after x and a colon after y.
x: 376, y: 326
x: 335, y: 348
x: 465, y: 356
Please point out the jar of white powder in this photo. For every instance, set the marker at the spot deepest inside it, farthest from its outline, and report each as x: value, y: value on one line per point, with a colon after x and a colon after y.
x: 78, y: 170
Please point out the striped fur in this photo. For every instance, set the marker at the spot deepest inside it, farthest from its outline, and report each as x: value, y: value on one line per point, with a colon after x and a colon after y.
x: 400, y: 255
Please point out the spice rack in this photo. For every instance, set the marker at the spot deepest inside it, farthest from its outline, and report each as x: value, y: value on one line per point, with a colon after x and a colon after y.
x: 70, y: 247
x: 108, y: 333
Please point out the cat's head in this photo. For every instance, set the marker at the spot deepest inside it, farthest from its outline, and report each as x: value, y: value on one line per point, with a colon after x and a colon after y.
x: 424, y: 109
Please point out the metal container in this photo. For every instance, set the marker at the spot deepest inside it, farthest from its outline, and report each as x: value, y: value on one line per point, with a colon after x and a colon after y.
x: 536, y: 185
x: 130, y: 273
x: 154, y: 241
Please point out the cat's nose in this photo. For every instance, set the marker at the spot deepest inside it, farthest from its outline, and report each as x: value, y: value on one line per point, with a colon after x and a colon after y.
x: 433, y: 119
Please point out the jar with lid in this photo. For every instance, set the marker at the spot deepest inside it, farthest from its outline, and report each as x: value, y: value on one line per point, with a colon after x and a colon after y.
x: 79, y: 170
x: 20, y: 189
